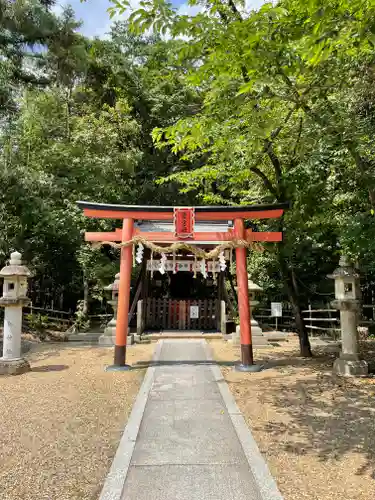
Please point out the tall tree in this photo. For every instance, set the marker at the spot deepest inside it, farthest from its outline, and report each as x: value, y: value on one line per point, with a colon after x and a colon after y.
x: 87, y: 135
x: 270, y: 79
x: 25, y: 27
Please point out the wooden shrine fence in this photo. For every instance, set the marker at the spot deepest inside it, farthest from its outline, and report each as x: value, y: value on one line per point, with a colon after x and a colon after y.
x: 167, y: 314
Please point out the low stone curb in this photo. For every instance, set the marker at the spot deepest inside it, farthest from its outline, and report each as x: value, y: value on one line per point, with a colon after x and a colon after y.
x: 266, y: 483
x: 114, y: 483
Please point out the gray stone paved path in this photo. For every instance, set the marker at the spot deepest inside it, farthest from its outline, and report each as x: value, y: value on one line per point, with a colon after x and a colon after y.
x: 188, y: 445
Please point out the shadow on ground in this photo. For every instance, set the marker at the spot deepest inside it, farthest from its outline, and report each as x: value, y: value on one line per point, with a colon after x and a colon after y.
x: 320, y: 413
x: 268, y: 361
x: 197, y: 362
x: 330, y: 426
x: 44, y: 350
x: 49, y: 368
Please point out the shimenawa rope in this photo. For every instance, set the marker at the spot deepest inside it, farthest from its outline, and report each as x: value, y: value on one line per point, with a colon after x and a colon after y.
x: 198, y: 252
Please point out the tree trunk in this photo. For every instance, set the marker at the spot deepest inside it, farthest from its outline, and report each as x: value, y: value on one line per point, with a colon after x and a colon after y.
x: 61, y: 300
x: 227, y: 300
x: 363, y: 168
x: 304, y: 342
x: 289, y: 279
x: 85, y: 308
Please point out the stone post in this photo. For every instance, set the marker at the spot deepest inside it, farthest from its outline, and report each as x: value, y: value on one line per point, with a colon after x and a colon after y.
x: 347, y: 301
x: 223, y: 318
x: 258, y: 338
x: 140, y: 322
x: 236, y: 337
x: 14, y: 298
x: 109, y: 336
x: 257, y: 335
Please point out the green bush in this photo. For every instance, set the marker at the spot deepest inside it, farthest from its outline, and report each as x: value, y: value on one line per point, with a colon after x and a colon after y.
x: 81, y: 322
x: 38, y: 323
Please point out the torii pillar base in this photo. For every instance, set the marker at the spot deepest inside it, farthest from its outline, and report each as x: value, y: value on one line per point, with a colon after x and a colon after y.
x: 117, y: 368
x: 248, y: 368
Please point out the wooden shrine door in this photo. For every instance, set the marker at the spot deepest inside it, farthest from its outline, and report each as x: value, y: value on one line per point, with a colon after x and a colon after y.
x: 169, y: 314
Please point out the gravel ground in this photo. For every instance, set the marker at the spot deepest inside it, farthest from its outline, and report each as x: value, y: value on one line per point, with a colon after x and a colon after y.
x: 316, y: 431
x: 61, y: 423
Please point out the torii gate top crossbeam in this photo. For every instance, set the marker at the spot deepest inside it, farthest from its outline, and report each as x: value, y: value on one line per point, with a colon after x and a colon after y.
x: 144, y: 212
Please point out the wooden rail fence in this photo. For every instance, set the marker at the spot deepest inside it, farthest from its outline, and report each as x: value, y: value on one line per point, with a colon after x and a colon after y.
x: 318, y: 321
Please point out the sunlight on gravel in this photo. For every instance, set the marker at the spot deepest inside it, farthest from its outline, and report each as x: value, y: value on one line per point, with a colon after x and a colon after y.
x: 316, y: 430
x: 60, y: 424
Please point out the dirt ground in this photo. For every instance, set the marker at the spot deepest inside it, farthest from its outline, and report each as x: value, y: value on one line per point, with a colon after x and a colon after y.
x: 316, y: 431
x: 60, y: 424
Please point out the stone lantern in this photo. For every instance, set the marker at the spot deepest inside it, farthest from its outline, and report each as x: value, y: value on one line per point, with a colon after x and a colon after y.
x: 256, y: 332
x: 14, y: 298
x: 109, y: 336
x: 347, y: 301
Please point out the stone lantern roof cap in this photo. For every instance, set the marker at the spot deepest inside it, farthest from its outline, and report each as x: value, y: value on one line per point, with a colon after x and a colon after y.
x: 15, y: 266
x: 114, y: 285
x: 346, y: 270
x: 253, y: 287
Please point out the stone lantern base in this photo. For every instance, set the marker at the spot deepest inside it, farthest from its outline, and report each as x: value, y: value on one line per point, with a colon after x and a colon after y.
x: 259, y: 340
x: 14, y: 366
x: 109, y: 337
x: 106, y: 341
x: 350, y: 367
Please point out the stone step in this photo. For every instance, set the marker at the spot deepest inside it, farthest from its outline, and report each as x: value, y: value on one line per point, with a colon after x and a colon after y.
x: 184, y: 335
x: 91, y: 337
x: 276, y: 336
x: 260, y: 341
x: 110, y: 340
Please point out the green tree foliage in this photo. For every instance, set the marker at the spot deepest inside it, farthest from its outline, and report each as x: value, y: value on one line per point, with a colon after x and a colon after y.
x: 286, y: 116
x: 25, y: 26
x: 87, y: 135
x: 221, y: 106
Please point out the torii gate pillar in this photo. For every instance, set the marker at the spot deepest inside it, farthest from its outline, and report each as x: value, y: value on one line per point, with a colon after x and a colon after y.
x: 247, y: 361
x: 123, y: 299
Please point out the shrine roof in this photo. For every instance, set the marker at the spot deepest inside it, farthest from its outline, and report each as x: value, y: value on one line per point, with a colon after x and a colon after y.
x: 209, y: 212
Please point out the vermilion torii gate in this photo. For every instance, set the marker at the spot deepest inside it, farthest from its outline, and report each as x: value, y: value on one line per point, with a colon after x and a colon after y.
x: 184, y: 219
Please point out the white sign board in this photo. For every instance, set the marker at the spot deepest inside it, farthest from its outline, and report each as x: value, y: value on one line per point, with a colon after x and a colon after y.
x: 194, y: 312
x: 276, y: 309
